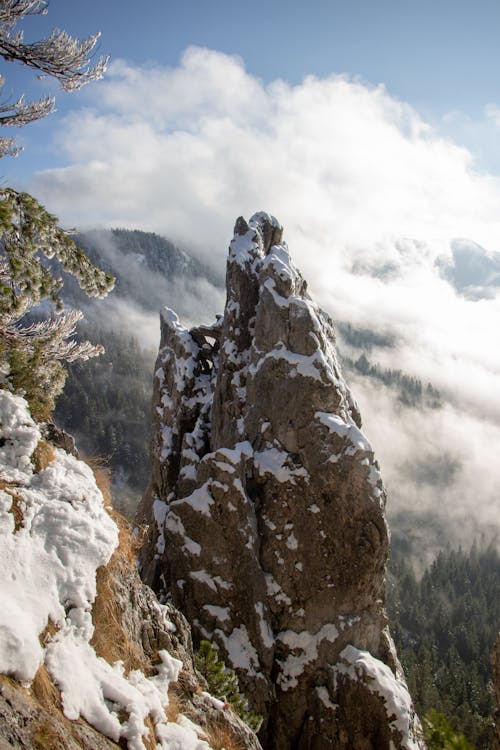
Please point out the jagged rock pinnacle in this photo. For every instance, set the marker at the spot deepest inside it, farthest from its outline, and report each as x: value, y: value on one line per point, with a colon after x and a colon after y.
x: 266, y: 509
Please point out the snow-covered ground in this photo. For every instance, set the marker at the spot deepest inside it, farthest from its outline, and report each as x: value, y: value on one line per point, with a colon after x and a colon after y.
x: 55, y: 534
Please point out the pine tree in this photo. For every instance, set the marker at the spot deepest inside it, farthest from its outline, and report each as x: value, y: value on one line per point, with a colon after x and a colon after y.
x: 438, y: 734
x: 31, y: 353
x: 223, y: 683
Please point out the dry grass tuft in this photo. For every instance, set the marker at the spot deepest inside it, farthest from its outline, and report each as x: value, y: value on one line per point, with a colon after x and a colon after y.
x: 110, y: 640
x: 175, y: 704
x: 48, y: 632
x: 220, y: 737
x: 44, y: 690
x: 150, y: 740
x: 10, y: 488
x: 48, y: 736
x: 16, y: 508
x: 102, y: 474
x: 42, y: 456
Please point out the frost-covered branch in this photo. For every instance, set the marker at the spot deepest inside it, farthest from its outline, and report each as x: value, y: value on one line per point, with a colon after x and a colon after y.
x: 60, y: 56
x: 31, y: 356
x: 53, y: 335
x: 28, y: 233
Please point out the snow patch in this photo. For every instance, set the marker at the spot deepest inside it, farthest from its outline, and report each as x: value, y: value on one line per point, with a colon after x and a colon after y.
x: 240, y: 651
x: 324, y: 697
x: 200, y: 500
x: 273, y: 461
x: 160, y: 510
x: 221, y: 614
x: 307, y: 645
x: 49, y: 574
x: 348, y: 432
x: 20, y: 435
x: 265, y: 629
x: 361, y: 666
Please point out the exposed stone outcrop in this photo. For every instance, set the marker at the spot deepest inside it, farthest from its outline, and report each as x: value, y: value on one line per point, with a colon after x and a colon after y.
x: 266, y: 509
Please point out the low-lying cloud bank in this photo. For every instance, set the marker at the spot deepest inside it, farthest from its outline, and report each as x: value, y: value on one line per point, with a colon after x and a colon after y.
x: 372, y: 200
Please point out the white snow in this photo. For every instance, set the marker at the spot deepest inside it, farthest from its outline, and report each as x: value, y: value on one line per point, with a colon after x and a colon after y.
x: 214, y: 701
x: 259, y: 217
x: 307, y: 643
x: 203, y: 577
x: 182, y: 735
x: 312, y: 366
x: 200, y: 500
x: 225, y: 466
x: 349, y: 432
x: 21, y: 437
x: 361, y: 666
x: 240, y: 650
x: 167, y: 441
x: 160, y: 509
x: 279, y: 264
x: 242, y: 248
x: 234, y: 455
x: 265, y: 629
x: 270, y: 524
x: 322, y: 694
x: 188, y: 471
x: 273, y: 461
x: 49, y: 574
x: 222, y: 614
x: 49, y: 563
x: 174, y: 524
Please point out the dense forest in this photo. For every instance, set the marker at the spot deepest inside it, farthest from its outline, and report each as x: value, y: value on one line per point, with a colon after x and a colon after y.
x: 444, y: 625
x: 409, y: 390
x: 106, y: 404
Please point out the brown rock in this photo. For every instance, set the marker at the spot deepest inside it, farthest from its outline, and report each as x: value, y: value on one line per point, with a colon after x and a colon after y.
x: 266, y: 509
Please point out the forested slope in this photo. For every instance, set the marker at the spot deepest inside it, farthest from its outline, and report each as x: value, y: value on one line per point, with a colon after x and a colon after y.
x: 444, y: 625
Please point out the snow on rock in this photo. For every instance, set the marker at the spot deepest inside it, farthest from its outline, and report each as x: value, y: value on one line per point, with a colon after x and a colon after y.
x: 275, y: 462
x: 20, y: 438
x: 50, y: 561
x: 55, y: 534
x: 361, y: 666
x: 304, y: 649
x: 240, y: 651
x: 349, y: 432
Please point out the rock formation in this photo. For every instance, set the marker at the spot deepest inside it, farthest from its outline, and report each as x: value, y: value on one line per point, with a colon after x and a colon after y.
x: 266, y: 509
x: 88, y: 656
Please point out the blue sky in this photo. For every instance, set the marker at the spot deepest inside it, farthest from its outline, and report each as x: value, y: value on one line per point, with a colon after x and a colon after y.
x: 442, y: 57
x: 436, y: 54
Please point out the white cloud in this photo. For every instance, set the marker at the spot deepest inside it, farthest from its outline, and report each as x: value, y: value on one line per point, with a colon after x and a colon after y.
x: 359, y: 181
x: 332, y: 158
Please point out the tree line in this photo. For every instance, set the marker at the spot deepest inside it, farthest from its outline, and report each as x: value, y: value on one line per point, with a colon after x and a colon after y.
x: 444, y: 625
